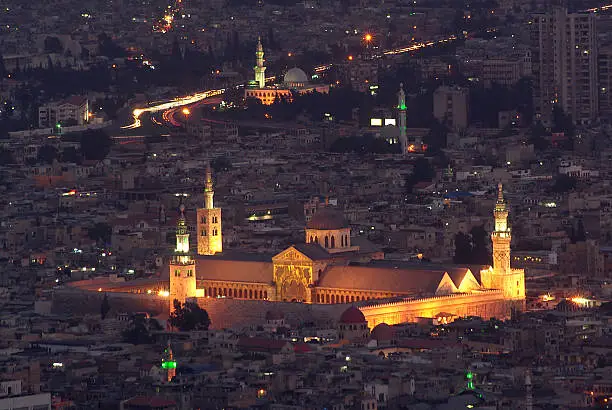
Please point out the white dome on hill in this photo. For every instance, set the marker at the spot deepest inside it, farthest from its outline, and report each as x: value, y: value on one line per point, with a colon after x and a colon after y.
x: 295, y: 77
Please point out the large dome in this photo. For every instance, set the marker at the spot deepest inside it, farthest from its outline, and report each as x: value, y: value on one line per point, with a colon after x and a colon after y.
x: 295, y: 76
x: 352, y: 315
x: 327, y: 219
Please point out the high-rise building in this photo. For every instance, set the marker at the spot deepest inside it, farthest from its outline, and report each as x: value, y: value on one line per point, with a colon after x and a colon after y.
x: 605, y: 81
x: 210, y: 238
x: 182, y: 266
x: 564, y: 56
x: 451, y: 106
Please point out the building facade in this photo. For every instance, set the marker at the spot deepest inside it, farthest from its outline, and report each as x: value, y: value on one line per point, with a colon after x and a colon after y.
x: 73, y: 111
x: 451, y: 106
x: 331, y: 268
x: 564, y: 55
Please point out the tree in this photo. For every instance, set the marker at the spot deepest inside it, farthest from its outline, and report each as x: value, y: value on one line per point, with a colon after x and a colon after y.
x: 138, y: 331
x: 53, y: 45
x: 47, y: 153
x: 95, y: 144
x: 101, y: 232
x: 189, y: 317
x: 422, y: 171
x: 463, y: 248
x: 104, y: 307
x: 480, y: 250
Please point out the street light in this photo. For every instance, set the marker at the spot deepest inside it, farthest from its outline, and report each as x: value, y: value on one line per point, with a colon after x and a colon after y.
x: 186, y: 111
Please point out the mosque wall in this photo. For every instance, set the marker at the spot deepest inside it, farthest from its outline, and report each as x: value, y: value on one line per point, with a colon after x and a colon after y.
x: 228, y: 313
x: 487, y: 304
x: 76, y: 301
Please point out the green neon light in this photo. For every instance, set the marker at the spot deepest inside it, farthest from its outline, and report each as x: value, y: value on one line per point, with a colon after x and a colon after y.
x: 402, y: 107
x: 169, y: 365
x: 470, y: 378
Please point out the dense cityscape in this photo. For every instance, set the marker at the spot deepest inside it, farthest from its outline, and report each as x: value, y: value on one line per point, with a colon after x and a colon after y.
x: 306, y: 205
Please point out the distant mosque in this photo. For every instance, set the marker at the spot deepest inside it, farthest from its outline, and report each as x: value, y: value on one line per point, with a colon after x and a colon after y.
x: 294, y: 81
x: 333, y: 267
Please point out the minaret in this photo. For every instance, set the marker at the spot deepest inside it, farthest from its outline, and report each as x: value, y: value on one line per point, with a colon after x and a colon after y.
x: 260, y: 69
x: 401, y: 106
x: 503, y: 277
x: 182, y: 265
x: 210, y: 238
x: 168, y: 363
x: 501, y: 236
x: 528, y: 391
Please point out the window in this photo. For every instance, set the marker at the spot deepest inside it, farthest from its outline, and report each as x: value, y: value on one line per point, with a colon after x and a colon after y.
x: 177, y: 273
x: 203, y: 219
x: 203, y: 232
x: 214, y: 232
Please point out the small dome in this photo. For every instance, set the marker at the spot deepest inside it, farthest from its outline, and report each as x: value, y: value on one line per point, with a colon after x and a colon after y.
x: 274, y: 315
x: 352, y: 315
x: 383, y: 332
x: 295, y: 76
x: 327, y: 218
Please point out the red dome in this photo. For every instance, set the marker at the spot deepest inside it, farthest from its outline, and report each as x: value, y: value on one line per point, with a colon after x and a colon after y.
x: 382, y: 332
x: 352, y: 315
x: 327, y: 219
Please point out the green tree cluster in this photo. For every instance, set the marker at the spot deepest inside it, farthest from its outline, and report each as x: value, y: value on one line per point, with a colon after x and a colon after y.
x: 471, y: 248
x: 189, y: 316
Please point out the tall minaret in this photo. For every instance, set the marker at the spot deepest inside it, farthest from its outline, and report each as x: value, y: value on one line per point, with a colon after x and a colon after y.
x: 503, y: 277
x: 528, y: 391
x: 501, y: 236
x: 260, y: 69
x: 182, y: 265
x: 168, y: 363
x: 210, y: 238
x: 401, y: 106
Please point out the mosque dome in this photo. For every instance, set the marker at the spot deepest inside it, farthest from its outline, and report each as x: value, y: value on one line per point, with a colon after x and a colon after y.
x: 383, y: 332
x: 327, y: 219
x: 295, y: 77
x: 352, y: 315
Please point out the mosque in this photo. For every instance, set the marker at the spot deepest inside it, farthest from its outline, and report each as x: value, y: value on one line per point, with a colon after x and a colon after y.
x: 331, y: 267
x: 295, y: 80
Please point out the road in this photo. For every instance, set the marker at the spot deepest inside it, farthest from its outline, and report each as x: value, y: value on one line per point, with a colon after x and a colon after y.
x: 185, y: 104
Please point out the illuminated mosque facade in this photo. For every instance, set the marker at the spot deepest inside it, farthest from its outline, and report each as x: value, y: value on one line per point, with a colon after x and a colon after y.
x: 331, y: 267
x: 295, y: 80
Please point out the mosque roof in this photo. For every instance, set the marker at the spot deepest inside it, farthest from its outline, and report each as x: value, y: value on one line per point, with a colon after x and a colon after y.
x: 252, y: 271
x: 295, y: 75
x: 326, y: 219
x: 382, y: 331
x: 352, y: 315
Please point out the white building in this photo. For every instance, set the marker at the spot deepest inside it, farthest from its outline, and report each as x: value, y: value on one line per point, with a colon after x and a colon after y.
x: 73, y: 110
x: 12, y: 398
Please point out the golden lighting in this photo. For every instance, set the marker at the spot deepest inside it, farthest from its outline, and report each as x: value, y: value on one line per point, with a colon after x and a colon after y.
x: 411, y: 148
x: 149, y: 292
x: 186, y: 111
x: 368, y: 37
x: 547, y: 297
x: 350, y: 58
x: 163, y: 293
x: 168, y: 19
x: 99, y: 289
x: 580, y: 300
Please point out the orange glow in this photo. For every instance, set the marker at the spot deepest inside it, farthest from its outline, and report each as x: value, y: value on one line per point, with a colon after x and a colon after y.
x: 350, y: 58
x: 186, y: 111
x: 411, y: 148
x: 289, y: 54
x: 99, y: 289
x: 368, y: 37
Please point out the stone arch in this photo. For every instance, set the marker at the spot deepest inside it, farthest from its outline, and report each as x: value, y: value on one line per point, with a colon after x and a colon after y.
x: 261, y: 294
x: 265, y: 294
x: 326, y: 242
x: 333, y: 241
x: 327, y: 298
x: 250, y: 293
x: 210, y: 291
x: 333, y: 298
